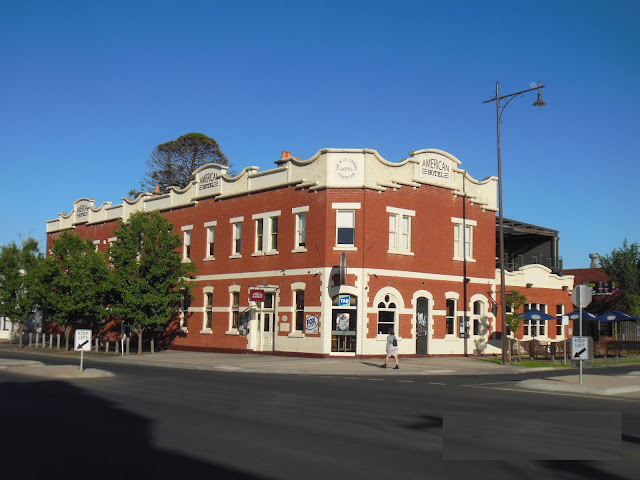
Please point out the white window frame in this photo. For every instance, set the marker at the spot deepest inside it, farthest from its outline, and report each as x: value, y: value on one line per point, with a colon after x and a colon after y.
x: 301, y: 232
x: 461, y: 225
x: 269, y: 235
x: 207, y: 292
x: 210, y: 227
x: 236, y: 237
x: 397, y: 231
x: 538, y: 325
x: 346, y: 207
x: 559, y: 315
x: 186, y: 242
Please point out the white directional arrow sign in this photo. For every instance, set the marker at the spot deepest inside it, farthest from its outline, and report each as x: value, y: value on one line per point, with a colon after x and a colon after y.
x: 580, y: 348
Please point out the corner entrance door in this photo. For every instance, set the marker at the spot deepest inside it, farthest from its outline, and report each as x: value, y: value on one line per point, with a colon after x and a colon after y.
x: 422, y: 327
x: 265, y: 322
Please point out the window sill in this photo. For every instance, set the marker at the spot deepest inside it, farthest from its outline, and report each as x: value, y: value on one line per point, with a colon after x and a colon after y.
x: 183, y: 329
x: 256, y: 254
x: 460, y: 259
x: 208, y: 259
x: 233, y: 331
x: 347, y: 248
x: 299, y: 250
x: 296, y: 334
x: 206, y: 331
x: 272, y: 252
x: 235, y: 255
x: 186, y: 260
x: 400, y: 252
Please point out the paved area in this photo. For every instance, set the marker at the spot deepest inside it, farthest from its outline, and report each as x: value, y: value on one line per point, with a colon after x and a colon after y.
x: 97, y: 365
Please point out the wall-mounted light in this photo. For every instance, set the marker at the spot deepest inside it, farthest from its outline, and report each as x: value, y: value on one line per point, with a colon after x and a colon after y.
x: 565, y: 287
x: 529, y: 285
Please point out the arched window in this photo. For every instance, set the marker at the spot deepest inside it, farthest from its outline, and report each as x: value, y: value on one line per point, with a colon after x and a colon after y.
x: 387, y: 315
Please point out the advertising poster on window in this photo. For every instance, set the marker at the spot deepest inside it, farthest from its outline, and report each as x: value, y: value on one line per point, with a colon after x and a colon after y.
x: 342, y: 321
x: 311, y: 324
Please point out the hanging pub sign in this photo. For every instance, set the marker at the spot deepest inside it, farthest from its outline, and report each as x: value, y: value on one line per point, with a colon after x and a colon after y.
x: 256, y: 295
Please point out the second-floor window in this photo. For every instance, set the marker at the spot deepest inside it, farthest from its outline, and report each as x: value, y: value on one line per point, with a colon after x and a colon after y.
x: 266, y: 233
x: 211, y: 240
x: 463, y: 239
x: 236, y: 245
x: 400, y: 230
x: 186, y: 242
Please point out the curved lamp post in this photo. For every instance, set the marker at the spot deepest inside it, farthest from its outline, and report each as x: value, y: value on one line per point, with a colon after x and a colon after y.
x: 499, y: 109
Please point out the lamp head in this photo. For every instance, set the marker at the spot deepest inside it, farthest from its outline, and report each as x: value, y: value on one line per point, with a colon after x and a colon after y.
x: 539, y: 103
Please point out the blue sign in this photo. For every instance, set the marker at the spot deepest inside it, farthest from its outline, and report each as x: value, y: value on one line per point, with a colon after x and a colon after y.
x: 344, y: 300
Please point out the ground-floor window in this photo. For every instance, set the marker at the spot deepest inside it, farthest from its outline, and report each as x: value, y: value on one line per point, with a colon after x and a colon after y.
x: 451, y: 316
x: 387, y: 315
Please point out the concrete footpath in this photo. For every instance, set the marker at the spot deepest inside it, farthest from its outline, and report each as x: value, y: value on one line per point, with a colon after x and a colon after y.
x: 606, y: 382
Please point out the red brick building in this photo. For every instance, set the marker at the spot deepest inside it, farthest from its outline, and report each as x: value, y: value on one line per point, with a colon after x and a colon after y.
x: 325, y: 256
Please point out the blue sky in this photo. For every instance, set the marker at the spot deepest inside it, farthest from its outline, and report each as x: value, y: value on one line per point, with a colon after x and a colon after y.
x: 90, y: 88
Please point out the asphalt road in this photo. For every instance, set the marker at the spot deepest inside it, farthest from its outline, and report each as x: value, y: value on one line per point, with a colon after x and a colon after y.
x: 169, y: 423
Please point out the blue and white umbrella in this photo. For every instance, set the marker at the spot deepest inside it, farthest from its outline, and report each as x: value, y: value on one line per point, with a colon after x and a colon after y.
x: 616, y: 316
x: 537, y: 315
x: 585, y: 315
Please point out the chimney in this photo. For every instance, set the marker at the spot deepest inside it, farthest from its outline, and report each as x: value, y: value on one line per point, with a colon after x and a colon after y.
x: 595, y: 260
x: 157, y: 188
x: 285, y: 154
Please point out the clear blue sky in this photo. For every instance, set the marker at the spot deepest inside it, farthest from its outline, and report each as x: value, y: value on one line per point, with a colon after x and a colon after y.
x: 90, y: 88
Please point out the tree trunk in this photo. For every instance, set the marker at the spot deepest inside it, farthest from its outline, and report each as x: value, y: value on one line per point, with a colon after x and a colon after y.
x: 20, y: 333
x: 67, y: 332
x: 139, y: 333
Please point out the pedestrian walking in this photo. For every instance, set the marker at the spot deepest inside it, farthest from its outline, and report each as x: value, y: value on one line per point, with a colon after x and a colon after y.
x: 392, y: 350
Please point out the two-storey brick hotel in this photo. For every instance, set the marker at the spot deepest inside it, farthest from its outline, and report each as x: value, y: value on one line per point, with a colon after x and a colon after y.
x: 325, y: 256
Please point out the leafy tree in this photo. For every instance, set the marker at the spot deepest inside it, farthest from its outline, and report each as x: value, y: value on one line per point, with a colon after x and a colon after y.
x: 20, y: 267
x: 173, y: 163
x: 516, y: 300
x: 148, y: 275
x: 623, y: 267
x: 77, y: 278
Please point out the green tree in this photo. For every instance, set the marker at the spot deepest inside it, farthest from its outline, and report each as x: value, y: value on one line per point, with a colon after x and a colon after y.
x: 515, y: 300
x: 623, y: 267
x: 172, y: 164
x: 20, y: 268
x: 148, y: 277
x: 76, y: 276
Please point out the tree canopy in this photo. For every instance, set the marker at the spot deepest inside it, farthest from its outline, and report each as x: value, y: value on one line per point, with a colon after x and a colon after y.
x: 148, y: 276
x: 623, y: 267
x: 76, y: 277
x: 173, y: 163
x: 20, y: 268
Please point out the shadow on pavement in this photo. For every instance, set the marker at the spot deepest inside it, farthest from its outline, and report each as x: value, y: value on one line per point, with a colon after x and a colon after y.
x: 53, y: 429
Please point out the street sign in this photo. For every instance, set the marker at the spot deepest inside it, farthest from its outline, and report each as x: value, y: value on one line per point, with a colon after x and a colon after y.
x: 581, y: 348
x: 82, y: 341
x: 581, y: 296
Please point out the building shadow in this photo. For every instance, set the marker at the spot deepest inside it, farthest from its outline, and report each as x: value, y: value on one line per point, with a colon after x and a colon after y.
x: 53, y: 429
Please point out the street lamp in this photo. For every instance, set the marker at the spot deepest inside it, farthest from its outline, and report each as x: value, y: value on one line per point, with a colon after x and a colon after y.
x: 499, y: 109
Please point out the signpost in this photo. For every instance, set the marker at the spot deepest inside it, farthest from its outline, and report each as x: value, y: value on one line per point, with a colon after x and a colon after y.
x: 581, y: 297
x: 82, y: 343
